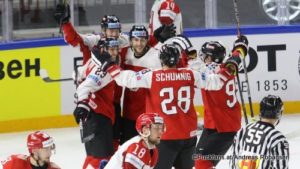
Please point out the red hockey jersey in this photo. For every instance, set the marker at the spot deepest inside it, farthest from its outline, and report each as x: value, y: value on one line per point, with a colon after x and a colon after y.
x: 171, y: 93
x: 22, y: 162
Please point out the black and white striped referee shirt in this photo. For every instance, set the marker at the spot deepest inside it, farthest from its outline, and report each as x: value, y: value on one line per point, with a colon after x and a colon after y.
x: 260, y: 146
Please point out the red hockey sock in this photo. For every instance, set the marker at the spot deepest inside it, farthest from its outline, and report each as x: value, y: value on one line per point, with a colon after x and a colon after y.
x: 203, y: 164
x: 92, y: 162
x: 116, y: 144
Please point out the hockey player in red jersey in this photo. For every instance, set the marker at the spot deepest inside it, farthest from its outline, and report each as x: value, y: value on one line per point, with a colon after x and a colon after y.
x: 222, y: 112
x: 140, y: 151
x: 40, y: 146
x: 171, y: 93
x: 95, y: 109
x: 136, y: 57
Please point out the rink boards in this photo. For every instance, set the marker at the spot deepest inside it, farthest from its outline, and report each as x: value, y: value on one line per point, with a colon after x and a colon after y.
x: 28, y: 102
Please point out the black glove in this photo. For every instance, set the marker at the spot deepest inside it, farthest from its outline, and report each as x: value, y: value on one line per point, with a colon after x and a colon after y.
x: 101, y: 43
x: 102, y: 58
x: 165, y: 32
x: 242, y: 43
x: 62, y: 13
x: 233, y: 62
x: 81, y: 112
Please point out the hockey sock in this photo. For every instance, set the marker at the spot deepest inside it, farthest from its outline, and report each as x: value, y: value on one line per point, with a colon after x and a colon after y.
x: 116, y: 143
x: 203, y: 164
x: 93, y: 162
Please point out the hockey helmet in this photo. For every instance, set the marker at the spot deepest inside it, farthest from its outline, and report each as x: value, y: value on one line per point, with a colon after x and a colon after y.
x: 169, y: 55
x: 138, y: 31
x: 213, y: 49
x: 110, y: 22
x: 38, y: 140
x: 146, y: 119
x: 108, y: 43
x: 271, y: 107
x: 167, y: 12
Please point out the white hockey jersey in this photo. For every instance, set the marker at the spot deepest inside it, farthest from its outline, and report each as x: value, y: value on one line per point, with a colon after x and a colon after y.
x: 97, y: 89
x: 133, y: 154
x: 134, y: 99
x: 165, y: 8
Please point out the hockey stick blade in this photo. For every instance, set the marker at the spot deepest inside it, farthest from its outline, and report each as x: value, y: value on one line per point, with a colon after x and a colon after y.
x: 46, y: 78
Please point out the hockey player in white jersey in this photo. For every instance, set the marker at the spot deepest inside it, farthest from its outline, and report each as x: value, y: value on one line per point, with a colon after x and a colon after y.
x: 165, y: 21
x: 165, y: 12
x: 95, y: 105
x: 110, y: 27
x: 259, y: 145
x: 140, y: 152
x: 139, y: 55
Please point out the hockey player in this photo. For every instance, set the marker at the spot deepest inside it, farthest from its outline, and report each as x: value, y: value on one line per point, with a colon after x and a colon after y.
x: 110, y: 27
x: 165, y: 21
x: 165, y: 12
x: 40, y: 146
x: 136, y: 57
x: 259, y: 145
x: 222, y: 112
x: 171, y: 93
x: 95, y: 109
x: 140, y: 151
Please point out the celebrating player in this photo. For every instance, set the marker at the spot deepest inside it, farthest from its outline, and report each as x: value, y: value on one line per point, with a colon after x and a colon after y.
x: 136, y: 57
x: 222, y: 112
x: 259, y: 145
x: 140, y: 151
x: 110, y: 27
x: 165, y: 12
x: 171, y: 92
x: 40, y: 146
x: 95, y: 109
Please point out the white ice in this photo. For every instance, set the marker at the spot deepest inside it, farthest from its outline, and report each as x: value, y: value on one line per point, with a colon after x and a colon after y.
x: 70, y: 152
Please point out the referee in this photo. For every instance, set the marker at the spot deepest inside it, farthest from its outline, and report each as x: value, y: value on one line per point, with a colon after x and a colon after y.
x: 259, y: 145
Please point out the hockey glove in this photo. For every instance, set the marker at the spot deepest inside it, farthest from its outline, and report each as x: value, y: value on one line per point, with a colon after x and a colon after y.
x: 81, y: 112
x: 165, y: 32
x: 233, y: 62
x: 241, y: 44
x: 102, y: 58
x: 62, y: 13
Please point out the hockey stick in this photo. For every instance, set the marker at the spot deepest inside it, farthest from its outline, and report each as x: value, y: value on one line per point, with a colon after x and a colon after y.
x: 46, y: 78
x: 237, y: 18
x: 242, y: 98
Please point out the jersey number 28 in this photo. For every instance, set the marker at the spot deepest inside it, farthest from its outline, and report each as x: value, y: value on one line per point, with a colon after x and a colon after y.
x: 183, y: 99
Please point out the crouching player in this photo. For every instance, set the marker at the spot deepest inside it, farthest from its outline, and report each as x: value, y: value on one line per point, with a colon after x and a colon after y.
x: 140, y: 151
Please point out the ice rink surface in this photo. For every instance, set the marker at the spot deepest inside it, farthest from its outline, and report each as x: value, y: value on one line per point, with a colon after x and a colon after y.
x: 70, y: 152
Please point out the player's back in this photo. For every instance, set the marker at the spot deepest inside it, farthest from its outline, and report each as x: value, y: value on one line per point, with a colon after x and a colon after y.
x: 221, y: 107
x: 260, y: 141
x: 171, y: 95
